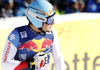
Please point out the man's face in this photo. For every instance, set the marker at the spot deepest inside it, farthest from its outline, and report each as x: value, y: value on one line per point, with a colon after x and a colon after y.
x: 46, y: 27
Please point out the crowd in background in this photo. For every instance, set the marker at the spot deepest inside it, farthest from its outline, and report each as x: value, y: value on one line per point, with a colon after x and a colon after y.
x: 14, y: 8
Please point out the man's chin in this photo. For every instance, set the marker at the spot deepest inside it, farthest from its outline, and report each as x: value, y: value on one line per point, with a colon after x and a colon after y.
x: 48, y: 31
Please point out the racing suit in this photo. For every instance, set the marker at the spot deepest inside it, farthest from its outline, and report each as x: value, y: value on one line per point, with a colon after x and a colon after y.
x: 23, y: 43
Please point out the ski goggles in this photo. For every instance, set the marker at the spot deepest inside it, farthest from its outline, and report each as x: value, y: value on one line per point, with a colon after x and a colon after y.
x: 49, y: 20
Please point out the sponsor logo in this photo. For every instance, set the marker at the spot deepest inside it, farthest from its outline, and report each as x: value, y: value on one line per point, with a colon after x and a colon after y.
x: 50, y: 11
x: 12, y: 37
x: 23, y: 34
x: 40, y: 18
x: 37, y: 45
x: 7, y: 52
x: 40, y: 13
x: 22, y: 57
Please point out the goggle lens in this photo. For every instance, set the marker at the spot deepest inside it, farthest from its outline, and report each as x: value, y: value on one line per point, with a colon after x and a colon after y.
x: 50, y: 20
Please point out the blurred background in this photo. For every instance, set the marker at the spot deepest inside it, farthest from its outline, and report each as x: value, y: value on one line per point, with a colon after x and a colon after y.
x: 14, y: 8
x: 77, y: 25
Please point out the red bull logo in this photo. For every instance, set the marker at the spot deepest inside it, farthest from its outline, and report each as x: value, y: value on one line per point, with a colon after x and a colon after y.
x: 36, y: 45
